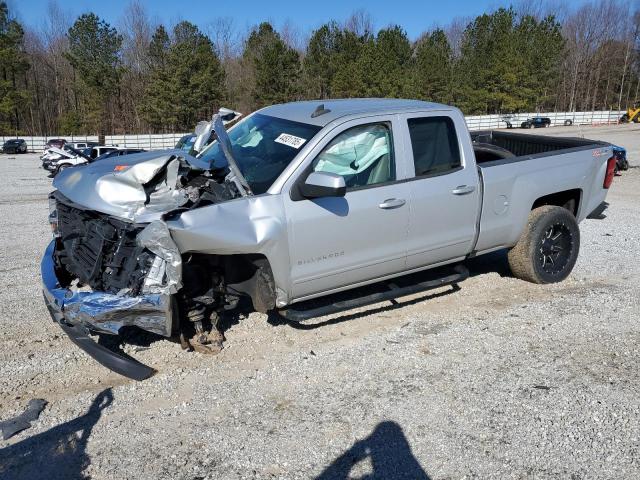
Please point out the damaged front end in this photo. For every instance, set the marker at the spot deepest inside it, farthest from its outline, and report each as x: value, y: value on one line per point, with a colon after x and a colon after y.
x: 112, y: 262
x: 113, y: 273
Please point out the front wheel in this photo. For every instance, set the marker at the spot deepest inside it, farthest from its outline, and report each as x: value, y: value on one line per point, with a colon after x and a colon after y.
x: 548, y: 248
x: 61, y: 168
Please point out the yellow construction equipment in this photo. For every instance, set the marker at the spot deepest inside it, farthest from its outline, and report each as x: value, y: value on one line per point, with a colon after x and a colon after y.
x: 632, y: 115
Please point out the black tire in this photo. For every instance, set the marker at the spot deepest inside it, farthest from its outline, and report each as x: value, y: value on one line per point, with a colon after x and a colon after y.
x: 61, y: 168
x: 568, y: 123
x: 624, y: 118
x: 548, y: 248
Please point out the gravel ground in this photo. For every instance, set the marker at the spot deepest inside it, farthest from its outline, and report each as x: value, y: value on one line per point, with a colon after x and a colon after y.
x: 501, y: 379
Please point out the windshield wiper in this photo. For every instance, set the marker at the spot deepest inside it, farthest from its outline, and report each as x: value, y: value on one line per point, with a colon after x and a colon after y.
x: 235, y: 175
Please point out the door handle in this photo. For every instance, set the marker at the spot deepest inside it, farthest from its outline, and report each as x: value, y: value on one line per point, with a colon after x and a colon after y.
x: 463, y: 189
x: 392, y: 203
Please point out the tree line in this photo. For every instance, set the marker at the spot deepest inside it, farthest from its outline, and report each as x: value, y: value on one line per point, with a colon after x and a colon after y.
x: 83, y: 75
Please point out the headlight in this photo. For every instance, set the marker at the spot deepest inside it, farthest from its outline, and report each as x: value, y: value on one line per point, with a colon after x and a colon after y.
x: 53, y: 216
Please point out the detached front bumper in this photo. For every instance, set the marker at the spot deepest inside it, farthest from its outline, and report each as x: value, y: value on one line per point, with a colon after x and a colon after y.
x: 79, y: 313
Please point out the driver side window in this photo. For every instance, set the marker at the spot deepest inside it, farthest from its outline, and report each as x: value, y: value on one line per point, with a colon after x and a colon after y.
x: 363, y: 155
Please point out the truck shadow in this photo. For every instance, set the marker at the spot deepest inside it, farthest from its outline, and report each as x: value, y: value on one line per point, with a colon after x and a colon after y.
x: 58, y: 453
x: 389, y: 454
x: 494, y: 262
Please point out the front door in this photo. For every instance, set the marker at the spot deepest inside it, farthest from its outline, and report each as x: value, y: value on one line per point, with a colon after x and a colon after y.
x: 340, y: 241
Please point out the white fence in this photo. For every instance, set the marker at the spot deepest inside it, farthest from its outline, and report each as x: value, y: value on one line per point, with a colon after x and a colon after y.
x: 474, y: 122
x: 600, y: 117
x: 159, y: 141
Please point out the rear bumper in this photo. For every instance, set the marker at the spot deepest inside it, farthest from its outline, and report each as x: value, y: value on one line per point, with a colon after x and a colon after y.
x: 598, y: 212
x: 79, y: 313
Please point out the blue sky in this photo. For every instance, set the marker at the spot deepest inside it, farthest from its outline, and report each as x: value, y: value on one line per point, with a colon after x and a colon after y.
x: 415, y: 16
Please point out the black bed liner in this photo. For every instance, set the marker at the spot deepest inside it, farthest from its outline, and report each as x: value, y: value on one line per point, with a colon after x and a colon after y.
x: 526, y: 147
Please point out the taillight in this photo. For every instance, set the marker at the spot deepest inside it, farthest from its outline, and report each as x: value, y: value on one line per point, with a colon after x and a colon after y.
x: 611, y: 169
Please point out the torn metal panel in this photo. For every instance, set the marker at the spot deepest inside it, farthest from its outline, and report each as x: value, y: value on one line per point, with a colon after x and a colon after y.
x: 128, y: 188
x: 105, y: 312
x: 23, y: 421
x: 165, y: 275
x: 108, y: 313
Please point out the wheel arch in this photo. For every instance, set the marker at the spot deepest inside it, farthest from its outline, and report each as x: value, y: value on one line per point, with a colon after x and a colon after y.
x: 569, y: 199
x: 246, y: 275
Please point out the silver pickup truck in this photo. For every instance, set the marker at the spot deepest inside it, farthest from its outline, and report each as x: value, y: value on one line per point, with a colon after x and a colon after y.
x: 304, y: 200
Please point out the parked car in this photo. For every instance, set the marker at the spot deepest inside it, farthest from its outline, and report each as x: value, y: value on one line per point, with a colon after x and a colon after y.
x: 186, y: 142
x: 55, y: 160
x: 15, y: 145
x: 620, y: 153
x: 60, y: 159
x: 54, y: 142
x: 536, y: 122
x: 508, y: 119
x: 302, y: 200
x: 83, y: 145
x: 96, y: 151
x: 117, y: 152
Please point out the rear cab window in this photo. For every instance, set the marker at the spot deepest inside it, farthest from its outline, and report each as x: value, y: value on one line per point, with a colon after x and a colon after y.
x: 435, y: 146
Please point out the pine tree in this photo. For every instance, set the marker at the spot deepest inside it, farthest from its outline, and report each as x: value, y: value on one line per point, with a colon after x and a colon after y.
x: 196, y: 75
x: 389, y: 64
x: 157, y: 103
x: 320, y: 60
x: 13, y: 66
x: 276, y: 66
x: 95, y: 54
x: 434, y: 75
x: 187, y: 79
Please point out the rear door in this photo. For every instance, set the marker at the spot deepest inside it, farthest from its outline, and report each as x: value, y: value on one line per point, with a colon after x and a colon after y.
x: 444, y: 189
x: 340, y: 241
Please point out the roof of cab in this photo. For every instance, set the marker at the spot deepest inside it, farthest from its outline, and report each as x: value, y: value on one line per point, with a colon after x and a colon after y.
x: 302, y: 111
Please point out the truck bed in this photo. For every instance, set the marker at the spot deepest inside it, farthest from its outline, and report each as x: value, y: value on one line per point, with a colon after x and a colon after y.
x: 526, y: 168
x: 524, y: 146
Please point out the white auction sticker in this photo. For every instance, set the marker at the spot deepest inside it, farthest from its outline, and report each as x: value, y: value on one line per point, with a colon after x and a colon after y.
x: 290, y: 140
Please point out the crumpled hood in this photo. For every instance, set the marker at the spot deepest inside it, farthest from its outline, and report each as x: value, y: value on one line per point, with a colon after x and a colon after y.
x: 56, y: 153
x: 141, y: 191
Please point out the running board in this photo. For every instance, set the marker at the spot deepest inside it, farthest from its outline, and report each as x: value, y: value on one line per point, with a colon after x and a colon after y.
x: 390, y: 290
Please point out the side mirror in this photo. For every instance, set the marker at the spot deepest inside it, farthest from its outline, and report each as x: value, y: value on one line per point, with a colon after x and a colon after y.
x: 323, y: 184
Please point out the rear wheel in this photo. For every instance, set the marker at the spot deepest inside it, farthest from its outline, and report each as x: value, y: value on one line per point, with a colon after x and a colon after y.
x: 548, y: 248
